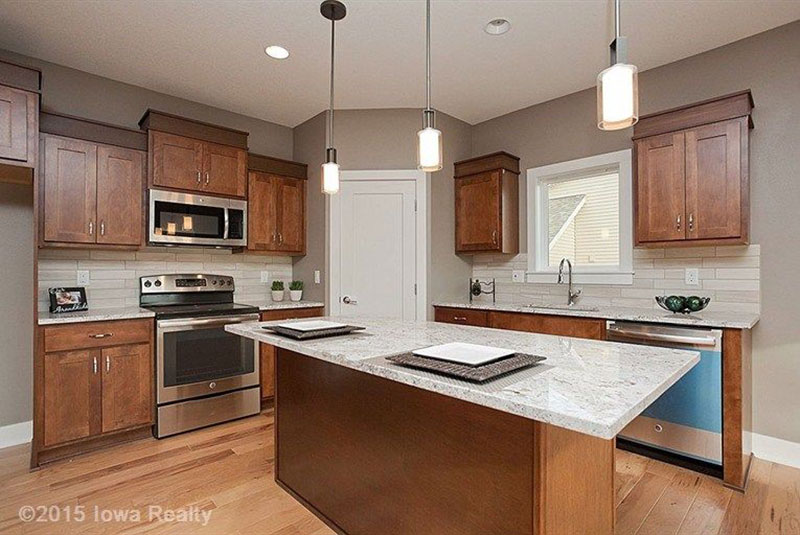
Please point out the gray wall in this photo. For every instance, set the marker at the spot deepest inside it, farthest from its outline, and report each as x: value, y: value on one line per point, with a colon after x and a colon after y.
x: 385, y: 139
x: 16, y: 328
x: 769, y: 64
x: 78, y: 93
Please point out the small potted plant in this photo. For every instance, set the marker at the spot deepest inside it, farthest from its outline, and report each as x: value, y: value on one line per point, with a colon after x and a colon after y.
x: 277, y: 291
x: 296, y: 290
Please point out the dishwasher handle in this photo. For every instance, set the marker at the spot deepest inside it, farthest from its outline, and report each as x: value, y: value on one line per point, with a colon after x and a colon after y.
x: 614, y: 331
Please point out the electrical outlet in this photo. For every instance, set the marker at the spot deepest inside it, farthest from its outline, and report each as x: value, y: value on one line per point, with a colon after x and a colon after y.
x: 83, y: 278
x: 692, y: 276
x: 518, y: 275
x: 265, y: 276
x: 316, y: 277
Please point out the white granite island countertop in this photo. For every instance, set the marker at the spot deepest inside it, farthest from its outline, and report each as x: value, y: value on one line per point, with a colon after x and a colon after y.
x: 724, y: 320
x: 588, y: 386
x: 281, y: 305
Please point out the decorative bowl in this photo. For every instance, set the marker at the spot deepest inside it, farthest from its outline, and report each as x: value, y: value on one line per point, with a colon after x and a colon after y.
x: 682, y: 304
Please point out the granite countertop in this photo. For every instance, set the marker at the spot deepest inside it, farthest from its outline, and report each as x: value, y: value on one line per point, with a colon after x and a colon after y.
x: 729, y: 320
x: 272, y: 305
x: 97, y: 314
x: 593, y: 387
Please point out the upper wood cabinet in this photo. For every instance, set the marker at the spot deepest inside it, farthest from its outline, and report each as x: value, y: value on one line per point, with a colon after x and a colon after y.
x: 276, y: 206
x: 197, y: 157
x: 692, y: 174
x: 19, y: 119
x: 487, y: 204
x: 93, y: 193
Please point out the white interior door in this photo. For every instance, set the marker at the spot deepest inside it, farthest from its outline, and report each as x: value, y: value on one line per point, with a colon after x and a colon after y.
x: 377, y: 245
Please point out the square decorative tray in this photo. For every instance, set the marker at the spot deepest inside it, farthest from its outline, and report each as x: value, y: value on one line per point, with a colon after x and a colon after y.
x: 312, y: 335
x: 476, y: 374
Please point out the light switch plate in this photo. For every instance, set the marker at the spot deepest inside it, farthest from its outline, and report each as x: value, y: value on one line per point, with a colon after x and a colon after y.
x: 83, y: 278
x: 316, y: 277
x: 265, y: 276
x: 518, y: 275
x: 692, y: 276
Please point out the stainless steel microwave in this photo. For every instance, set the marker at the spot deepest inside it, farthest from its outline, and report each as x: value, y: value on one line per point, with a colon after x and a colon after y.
x: 185, y: 219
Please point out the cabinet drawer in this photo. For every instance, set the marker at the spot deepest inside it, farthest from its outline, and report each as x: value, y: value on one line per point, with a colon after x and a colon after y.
x: 97, y: 334
x: 462, y: 316
x: 292, y: 313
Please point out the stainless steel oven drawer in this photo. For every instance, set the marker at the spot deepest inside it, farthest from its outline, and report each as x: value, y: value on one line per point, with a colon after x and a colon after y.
x: 193, y: 414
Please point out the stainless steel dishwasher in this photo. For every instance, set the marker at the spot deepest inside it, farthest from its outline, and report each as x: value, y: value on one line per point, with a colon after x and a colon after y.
x: 685, y: 422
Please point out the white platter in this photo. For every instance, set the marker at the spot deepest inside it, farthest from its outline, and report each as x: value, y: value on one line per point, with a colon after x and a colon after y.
x: 469, y: 354
x: 311, y: 325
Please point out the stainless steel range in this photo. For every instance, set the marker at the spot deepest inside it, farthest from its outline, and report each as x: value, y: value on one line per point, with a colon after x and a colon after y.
x: 205, y: 375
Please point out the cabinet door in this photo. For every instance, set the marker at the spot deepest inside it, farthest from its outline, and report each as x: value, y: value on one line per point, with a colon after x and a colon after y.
x: 478, y: 215
x: 177, y: 161
x: 292, y: 205
x: 70, y: 182
x: 714, y: 180
x: 660, y: 186
x: 119, y: 195
x: 224, y: 170
x: 71, y: 395
x: 262, y: 212
x: 267, y: 363
x: 15, y: 127
x: 127, y: 386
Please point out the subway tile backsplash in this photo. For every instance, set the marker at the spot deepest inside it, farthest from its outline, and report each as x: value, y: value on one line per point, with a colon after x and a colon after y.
x: 729, y: 275
x: 114, y: 275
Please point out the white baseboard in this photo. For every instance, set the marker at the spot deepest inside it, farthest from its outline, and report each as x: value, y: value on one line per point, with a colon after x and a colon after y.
x: 14, y: 434
x: 776, y: 450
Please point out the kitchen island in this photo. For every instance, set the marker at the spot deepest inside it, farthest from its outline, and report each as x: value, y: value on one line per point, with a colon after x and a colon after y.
x: 372, y: 447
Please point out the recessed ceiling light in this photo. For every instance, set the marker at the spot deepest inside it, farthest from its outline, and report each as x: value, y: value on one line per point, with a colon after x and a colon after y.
x: 277, y: 52
x: 497, y: 26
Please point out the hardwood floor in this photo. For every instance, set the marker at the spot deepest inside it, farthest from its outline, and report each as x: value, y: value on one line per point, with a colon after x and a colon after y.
x: 227, y: 471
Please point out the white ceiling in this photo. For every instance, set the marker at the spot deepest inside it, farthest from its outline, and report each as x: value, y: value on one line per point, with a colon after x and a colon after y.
x: 213, y: 51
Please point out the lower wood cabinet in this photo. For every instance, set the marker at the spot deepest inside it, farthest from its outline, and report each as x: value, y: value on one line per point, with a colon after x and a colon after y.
x: 96, y: 379
x: 267, y: 352
x: 591, y: 328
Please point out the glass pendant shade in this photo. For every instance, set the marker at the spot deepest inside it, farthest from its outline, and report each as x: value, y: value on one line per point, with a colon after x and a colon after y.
x: 429, y: 149
x: 330, y: 178
x: 618, y: 97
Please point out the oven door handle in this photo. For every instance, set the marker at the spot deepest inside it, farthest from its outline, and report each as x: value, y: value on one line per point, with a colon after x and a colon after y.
x: 205, y: 322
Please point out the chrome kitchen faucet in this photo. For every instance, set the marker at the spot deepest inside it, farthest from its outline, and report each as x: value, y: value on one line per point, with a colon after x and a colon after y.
x: 571, y: 296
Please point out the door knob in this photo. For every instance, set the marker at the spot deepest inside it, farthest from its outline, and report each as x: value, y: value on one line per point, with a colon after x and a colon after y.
x: 348, y: 301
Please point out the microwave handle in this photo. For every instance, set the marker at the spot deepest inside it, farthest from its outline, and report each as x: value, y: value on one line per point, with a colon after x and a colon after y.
x: 227, y: 225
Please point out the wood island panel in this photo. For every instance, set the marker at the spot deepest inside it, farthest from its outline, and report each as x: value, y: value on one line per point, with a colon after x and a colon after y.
x: 370, y: 455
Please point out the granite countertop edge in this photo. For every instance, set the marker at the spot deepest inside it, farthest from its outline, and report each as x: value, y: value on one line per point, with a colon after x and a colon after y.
x: 729, y: 320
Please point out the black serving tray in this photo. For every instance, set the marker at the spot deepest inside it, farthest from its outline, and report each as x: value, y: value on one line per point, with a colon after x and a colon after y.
x: 312, y: 335
x: 475, y: 374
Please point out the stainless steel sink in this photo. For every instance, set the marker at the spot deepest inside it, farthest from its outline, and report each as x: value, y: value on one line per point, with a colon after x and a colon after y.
x: 564, y: 307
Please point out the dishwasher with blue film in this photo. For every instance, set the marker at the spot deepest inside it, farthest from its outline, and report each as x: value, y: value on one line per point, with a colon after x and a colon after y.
x: 684, y: 425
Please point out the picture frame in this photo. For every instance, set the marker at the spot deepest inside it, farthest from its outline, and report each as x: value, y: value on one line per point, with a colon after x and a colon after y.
x: 68, y: 299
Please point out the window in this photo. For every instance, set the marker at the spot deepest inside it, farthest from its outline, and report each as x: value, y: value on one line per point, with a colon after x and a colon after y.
x: 581, y: 210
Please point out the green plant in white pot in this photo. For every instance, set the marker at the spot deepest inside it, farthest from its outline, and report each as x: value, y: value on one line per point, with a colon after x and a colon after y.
x: 296, y: 290
x: 277, y: 291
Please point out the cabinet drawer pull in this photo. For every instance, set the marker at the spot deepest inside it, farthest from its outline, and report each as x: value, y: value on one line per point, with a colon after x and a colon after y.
x: 459, y: 318
x: 102, y: 228
x: 494, y: 237
x: 199, y: 177
x: 678, y: 222
x: 207, y: 178
x: 101, y: 335
x: 108, y: 364
x: 94, y: 364
x: 691, y: 222
x: 91, y: 228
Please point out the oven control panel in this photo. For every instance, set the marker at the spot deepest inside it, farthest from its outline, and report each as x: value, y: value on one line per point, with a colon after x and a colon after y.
x: 153, y: 284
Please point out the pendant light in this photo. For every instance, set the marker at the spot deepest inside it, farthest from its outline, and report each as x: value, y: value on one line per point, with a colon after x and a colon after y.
x: 618, y: 86
x: 332, y: 10
x: 429, y: 139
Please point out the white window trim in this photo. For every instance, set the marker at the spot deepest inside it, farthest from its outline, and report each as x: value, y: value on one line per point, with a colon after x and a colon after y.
x: 538, y: 228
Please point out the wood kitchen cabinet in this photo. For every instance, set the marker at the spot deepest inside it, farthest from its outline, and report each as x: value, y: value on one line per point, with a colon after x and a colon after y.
x: 461, y: 316
x: 195, y: 157
x: 487, y: 204
x: 267, y: 351
x: 93, y: 386
x: 276, y: 206
x: 19, y: 119
x: 691, y: 182
x: 594, y: 329
x: 93, y: 192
